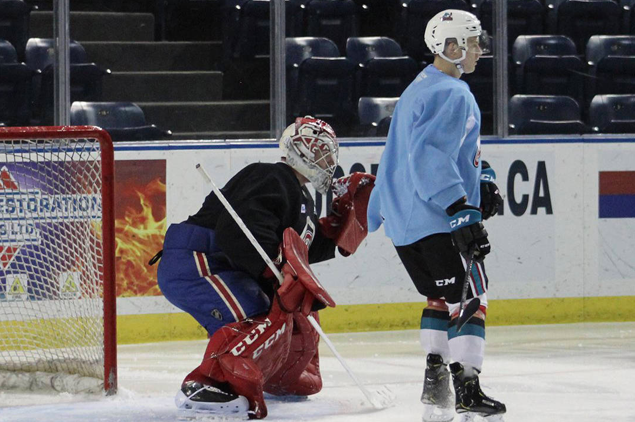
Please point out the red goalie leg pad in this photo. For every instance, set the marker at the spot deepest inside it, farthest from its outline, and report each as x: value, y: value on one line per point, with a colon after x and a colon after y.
x: 245, y: 354
x: 300, y: 373
x: 300, y: 287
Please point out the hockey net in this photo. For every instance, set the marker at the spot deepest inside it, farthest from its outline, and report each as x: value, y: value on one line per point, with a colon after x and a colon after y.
x: 57, y: 290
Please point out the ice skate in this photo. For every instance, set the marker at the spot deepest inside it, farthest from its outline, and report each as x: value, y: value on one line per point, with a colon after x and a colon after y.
x: 436, y: 397
x: 196, y: 399
x: 470, y: 399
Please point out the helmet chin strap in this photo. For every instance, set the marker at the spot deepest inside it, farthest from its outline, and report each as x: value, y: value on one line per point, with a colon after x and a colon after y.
x: 456, y: 62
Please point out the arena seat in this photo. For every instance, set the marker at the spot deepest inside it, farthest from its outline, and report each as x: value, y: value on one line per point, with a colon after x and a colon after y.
x: 297, y: 50
x: 85, y: 77
x: 611, y: 61
x: 15, y: 83
x: 335, y: 20
x: 124, y: 121
x: 524, y: 17
x: 580, y: 19
x: 382, y: 69
x: 377, y: 17
x: 545, y: 115
x: 14, y: 24
x: 326, y: 91
x: 612, y: 114
x: 547, y: 65
x: 375, y: 114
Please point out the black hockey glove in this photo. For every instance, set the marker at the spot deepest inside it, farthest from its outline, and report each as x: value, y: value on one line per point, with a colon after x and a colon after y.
x: 466, y: 228
x: 491, y: 200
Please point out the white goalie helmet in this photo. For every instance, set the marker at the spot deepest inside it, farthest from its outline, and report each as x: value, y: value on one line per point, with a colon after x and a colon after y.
x: 310, y: 147
x: 453, y: 24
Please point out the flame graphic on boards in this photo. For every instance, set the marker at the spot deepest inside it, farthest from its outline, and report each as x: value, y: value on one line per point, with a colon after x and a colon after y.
x: 138, y: 236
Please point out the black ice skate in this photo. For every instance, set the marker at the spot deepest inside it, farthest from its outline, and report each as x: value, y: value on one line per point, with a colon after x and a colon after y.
x: 438, y: 405
x: 197, y: 398
x: 470, y: 399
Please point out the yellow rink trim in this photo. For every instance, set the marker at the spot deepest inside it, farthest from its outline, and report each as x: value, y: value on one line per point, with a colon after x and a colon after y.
x: 397, y: 316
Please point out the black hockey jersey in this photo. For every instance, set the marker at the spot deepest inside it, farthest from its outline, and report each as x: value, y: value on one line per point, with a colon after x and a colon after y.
x: 269, y: 198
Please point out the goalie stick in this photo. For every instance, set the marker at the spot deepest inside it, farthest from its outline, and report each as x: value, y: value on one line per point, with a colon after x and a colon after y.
x: 467, y: 312
x: 380, y: 400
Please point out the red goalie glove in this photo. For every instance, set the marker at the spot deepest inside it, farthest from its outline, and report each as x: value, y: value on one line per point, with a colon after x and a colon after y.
x: 347, y: 224
x: 301, y: 287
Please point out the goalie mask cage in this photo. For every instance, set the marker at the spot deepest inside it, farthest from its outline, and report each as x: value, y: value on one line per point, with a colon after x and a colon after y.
x: 57, y: 281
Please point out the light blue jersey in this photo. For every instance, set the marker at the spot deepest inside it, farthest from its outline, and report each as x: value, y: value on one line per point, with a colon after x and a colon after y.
x: 431, y: 159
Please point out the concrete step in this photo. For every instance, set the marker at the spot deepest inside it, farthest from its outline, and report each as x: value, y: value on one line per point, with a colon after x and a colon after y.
x: 97, y: 26
x: 163, y: 86
x: 155, y: 56
x: 220, y: 116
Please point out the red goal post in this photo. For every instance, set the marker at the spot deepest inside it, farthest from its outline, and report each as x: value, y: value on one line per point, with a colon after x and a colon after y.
x: 57, y: 250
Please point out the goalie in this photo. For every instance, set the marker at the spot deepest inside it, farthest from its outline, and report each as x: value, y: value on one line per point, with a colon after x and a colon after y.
x: 260, y: 339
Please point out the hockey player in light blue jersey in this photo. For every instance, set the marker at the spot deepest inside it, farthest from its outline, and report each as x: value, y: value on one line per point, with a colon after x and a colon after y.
x: 431, y: 194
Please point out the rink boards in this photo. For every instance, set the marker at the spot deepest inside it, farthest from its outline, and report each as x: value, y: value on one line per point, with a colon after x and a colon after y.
x: 562, y: 250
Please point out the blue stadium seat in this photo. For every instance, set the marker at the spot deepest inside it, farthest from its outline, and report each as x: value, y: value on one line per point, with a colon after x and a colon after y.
x: 524, y: 17
x: 15, y: 84
x: 545, y: 115
x: 611, y: 61
x: 377, y: 17
x: 547, y: 64
x: 580, y: 19
x: 415, y: 17
x: 124, y: 121
x: 85, y: 77
x: 382, y: 69
x: 336, y: 20
x: 326, y: 91
x: 246, y: 27
x: 612, y: 114
x: 14, y: 23
x: 298, y: 50
x: 375, y: 114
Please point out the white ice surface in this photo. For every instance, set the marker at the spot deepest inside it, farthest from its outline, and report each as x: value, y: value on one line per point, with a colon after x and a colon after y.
x: 554, y: 373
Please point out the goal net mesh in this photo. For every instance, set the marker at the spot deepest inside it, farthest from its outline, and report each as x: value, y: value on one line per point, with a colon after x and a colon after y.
x: 51, y: 264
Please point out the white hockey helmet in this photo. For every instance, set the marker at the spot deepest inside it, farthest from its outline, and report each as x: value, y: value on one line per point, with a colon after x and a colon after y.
x: 310, y: 147
x: 453, y: 24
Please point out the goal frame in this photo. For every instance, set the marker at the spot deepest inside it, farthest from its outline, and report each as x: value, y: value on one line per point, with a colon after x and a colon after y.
x: 108, y: 227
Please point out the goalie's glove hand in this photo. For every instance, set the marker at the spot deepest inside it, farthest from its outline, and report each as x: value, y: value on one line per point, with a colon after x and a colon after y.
x: 466, y: 228
x: 491, y: 200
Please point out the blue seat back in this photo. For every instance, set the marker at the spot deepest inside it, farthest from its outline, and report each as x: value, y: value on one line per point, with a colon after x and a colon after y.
x: 580, y: 19
x: 545, y: 114
x: 612, y: 113
x: 361, y: 49
x: 108, y: 115
x: 14, y: 23
x: 40, y: 53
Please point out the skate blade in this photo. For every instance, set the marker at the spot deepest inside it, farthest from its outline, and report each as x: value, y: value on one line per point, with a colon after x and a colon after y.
x: 474, y: 417
x: 195, y: 410
x: 191, y: 415
x: 433, y: 413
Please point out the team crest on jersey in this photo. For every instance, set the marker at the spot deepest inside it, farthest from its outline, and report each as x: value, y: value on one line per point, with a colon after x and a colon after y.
x: 447, y: 16
x: 477, y: 157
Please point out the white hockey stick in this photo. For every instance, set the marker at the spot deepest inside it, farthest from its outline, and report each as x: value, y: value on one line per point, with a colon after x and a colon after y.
x: 380, y: 400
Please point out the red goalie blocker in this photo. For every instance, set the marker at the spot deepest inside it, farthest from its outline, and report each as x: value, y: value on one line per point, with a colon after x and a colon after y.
x: 347, y: 224
x: 249, y: 353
